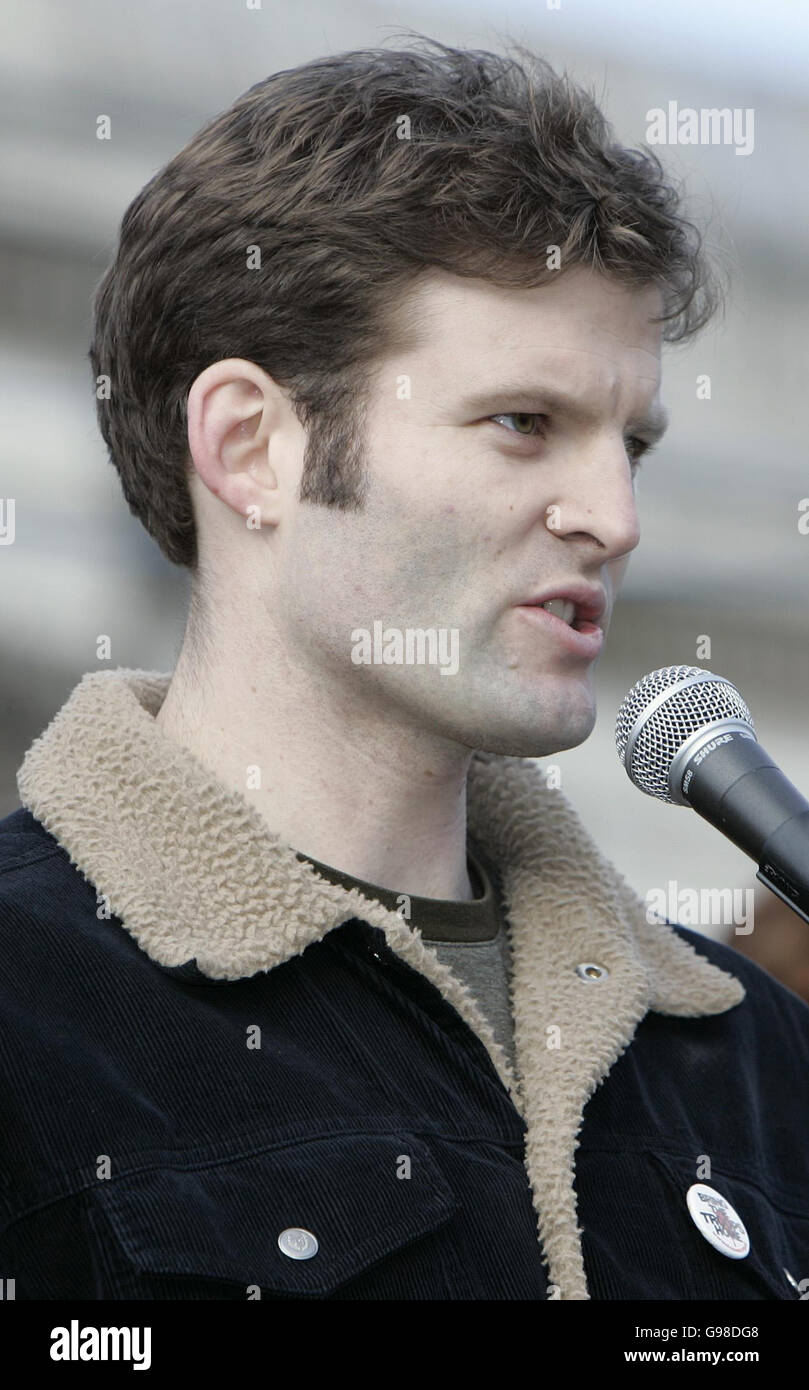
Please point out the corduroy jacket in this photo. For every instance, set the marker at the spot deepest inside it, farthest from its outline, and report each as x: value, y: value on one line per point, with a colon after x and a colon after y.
x: 223, y: 1077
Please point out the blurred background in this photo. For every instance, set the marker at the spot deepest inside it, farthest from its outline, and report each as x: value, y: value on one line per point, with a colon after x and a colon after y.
x: 722, y: 556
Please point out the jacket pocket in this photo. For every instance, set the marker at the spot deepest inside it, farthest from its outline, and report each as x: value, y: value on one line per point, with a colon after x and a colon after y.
x: 372, y: 1202
x: 777, y: 1230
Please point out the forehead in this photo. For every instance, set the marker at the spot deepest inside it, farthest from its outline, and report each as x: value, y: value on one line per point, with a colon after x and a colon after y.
x: 581, y: 326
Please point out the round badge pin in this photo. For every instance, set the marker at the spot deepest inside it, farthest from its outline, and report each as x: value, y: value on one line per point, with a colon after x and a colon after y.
x: 718, y: 1221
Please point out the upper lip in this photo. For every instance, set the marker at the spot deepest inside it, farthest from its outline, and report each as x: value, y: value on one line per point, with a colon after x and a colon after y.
x: 590, y: 600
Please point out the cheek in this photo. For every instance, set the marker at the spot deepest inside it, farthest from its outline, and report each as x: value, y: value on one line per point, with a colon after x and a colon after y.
x: 616, y: 570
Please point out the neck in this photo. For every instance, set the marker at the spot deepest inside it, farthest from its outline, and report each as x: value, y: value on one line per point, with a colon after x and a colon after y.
x: 346, y: 783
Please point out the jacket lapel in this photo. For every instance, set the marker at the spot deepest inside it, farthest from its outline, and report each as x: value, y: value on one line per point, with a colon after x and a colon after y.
x: 570, y: 909
x: 143, y: 821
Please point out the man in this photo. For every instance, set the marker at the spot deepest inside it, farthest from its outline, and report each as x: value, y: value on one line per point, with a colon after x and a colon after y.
x: 312, y: 987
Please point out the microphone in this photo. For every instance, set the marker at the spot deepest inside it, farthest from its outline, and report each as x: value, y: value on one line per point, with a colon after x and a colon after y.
x: 686, y: 736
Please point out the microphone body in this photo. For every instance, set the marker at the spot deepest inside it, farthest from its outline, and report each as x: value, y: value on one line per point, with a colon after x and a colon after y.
x: 738, y: 788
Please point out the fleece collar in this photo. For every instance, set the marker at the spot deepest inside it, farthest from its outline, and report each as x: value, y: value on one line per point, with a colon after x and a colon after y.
x: 194, y: 873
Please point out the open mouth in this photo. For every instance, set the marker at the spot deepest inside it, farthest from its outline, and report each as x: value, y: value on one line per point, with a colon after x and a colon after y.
x: 573, y: 614
x: 563, y: 608
x: 575, y: 626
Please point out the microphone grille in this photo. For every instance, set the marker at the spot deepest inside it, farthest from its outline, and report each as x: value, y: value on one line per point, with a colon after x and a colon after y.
x: 676, y: 701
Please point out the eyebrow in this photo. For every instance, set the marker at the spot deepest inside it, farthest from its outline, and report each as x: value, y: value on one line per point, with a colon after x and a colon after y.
x: 536, y: 400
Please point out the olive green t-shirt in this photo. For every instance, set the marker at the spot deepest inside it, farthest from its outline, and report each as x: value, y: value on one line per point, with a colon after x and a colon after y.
x: 469, y: 937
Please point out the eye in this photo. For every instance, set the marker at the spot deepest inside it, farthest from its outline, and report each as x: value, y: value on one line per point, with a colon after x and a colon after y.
x: 637, y: 449
x: 524, y: 418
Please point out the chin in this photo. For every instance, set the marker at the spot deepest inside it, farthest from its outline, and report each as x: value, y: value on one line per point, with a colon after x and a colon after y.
x: 549, y: 717
x: 535, y: 738
x: 557, y: 716
x: 532, y: 744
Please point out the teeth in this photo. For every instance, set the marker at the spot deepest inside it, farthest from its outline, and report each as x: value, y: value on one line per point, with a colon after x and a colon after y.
x: 561, y: 608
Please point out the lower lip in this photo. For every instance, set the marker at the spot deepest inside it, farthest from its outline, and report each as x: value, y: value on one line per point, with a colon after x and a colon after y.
x: 586, y: 640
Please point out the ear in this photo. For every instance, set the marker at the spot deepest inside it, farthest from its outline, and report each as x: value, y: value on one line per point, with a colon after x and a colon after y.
x: 233, y: 410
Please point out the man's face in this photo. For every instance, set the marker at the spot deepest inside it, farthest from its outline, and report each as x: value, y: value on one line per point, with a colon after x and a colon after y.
x: 500, y: 469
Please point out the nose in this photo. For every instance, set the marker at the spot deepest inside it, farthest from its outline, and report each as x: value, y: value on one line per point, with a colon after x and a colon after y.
x: 594, y: 498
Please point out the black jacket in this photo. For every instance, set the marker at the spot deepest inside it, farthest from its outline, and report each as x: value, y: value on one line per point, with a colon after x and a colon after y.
x: 223, y: 1077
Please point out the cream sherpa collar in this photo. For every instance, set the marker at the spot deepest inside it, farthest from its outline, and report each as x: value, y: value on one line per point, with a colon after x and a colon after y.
x: 193, y: 872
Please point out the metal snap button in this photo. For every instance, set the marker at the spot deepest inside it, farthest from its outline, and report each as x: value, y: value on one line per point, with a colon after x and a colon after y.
x: 588, y: 970
x: 297, y: 1243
